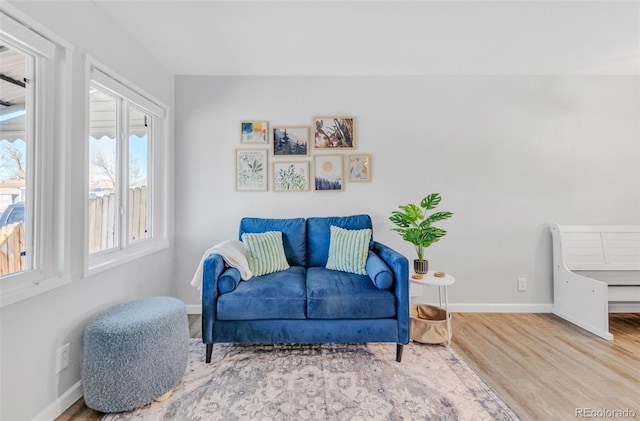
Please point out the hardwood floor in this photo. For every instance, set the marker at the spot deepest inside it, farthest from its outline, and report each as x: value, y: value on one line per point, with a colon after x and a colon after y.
x: 542, y: 366
x: 545, y: 367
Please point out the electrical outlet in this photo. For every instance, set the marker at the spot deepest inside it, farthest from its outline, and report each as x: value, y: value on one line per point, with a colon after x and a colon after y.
x: 62, y: 357
x: 522, y: 284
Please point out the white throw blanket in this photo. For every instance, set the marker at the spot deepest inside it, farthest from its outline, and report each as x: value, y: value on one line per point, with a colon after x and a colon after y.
x: 233, y: 253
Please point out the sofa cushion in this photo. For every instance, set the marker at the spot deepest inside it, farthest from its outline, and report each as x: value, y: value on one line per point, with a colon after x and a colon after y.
x: 319, y: 235
x: 279, y: 295
x: 293, y: 235
x: 333, y: 294
x: 348, y: 250
x: 265, y: 252
x: 229, y: 280
x: 379, y: 272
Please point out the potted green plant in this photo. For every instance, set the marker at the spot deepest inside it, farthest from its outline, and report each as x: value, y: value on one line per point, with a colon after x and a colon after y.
x: 417, y: 228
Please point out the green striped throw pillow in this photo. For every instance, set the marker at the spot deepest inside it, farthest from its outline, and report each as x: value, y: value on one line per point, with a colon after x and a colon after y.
x: 348, y: 250
x: 265, y: 252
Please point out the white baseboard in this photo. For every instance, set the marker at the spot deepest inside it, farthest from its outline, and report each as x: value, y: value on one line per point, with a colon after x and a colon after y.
x: 64, y: 402
x: 624, y: 307
x: 194, y: 308
x: 500, y: 308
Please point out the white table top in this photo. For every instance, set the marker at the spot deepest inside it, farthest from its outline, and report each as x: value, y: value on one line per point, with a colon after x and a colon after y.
x: 430, y: 280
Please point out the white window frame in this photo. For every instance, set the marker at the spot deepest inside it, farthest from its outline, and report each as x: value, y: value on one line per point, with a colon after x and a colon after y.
x: 47, y: 123
x: 125, y: 251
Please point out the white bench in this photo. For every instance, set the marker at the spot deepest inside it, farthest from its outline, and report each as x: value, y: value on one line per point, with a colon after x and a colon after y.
x: 594, y: 265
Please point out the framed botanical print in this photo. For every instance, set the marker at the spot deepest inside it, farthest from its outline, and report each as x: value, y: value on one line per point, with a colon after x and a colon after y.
x: 290, y: 140
x: 327, y: 171
x: 254, y: 132
x: 290, y: 176
x: 359, y: 167
x: 334, y: 133
x: 251, y: 169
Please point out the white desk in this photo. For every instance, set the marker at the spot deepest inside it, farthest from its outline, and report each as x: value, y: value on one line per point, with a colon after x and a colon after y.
x: 429, y: 279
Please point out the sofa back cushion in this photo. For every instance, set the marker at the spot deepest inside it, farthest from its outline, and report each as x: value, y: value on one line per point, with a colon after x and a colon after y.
x: 293, y: 235
x: 319, y: 235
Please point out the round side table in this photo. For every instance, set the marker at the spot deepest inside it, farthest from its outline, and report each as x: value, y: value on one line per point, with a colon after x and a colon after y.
x: 429, y: 279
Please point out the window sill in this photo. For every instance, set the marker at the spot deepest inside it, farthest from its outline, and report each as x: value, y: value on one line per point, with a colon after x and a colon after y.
x: 31, y: 289
x: 101, y: 262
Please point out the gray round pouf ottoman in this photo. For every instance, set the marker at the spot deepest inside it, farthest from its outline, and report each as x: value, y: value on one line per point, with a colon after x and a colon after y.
x: 134, y: 353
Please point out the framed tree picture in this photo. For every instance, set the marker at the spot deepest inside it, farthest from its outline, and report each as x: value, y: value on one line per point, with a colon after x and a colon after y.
x: 328, y: 172
x: 254, y: 132
x: 251, y: 169
x: 290, y: 140
x: 359, y: 167
x: 334, y: 133
x: 290, y: 176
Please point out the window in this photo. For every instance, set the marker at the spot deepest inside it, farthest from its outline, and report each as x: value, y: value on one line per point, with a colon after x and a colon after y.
x: 29, y: 258
x: 16, y: 147
x: 123, y: 210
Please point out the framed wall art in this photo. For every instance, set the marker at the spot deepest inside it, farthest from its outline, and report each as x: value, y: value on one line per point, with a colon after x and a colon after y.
x: 328, y: 172
x: 255, y: 132
x: 359, y: 167
x: 334, y: 133
x: 290, y: 140
x: 251, y: 169
x: 290, y: 176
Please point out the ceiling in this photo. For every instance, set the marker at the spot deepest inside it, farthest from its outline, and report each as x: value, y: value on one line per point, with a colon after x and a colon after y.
x: 393, y: 37
x: 418, y: 37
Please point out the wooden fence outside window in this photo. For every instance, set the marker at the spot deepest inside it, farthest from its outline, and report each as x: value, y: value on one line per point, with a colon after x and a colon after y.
x: 102, y: 229
x: 11, y: 246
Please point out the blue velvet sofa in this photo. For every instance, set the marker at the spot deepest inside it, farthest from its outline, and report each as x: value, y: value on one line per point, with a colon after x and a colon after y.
x: 308, y: 303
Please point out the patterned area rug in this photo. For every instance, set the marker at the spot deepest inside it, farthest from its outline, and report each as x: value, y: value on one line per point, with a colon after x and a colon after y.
x: 326, y: 382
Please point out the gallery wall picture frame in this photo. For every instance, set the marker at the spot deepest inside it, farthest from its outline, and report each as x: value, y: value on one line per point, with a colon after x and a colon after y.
x: 290, y: 176
x: 255, y: 132
x: 251, y: 170
x: 359, y: 167
x: 328, y: 172
x: 334, y: 132
x: 290, y: 140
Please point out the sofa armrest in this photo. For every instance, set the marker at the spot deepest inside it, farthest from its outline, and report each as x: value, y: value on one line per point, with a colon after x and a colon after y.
x: 399, y: 265
x: 212, y: 269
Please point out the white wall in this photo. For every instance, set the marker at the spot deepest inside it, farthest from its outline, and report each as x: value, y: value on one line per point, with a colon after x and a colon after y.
x: 509, y: 154
x: 33, y: 329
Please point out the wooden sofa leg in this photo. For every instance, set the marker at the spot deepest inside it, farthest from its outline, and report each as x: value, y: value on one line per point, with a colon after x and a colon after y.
x: 209, y: 351
x: 399, y: 349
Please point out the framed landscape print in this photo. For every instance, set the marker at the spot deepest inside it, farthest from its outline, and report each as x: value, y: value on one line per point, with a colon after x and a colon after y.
x: 251, y: 169
x: 290, y: 176
x: 359, y: 167
x: 334, y: 133
x: 328, y: 172
x: 254, y: 132
x: 290, y: 140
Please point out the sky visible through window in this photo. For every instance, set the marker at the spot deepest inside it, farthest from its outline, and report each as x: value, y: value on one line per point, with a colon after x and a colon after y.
x: 8, y: 167
x: 138, y: 153
x: 137, y: 150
